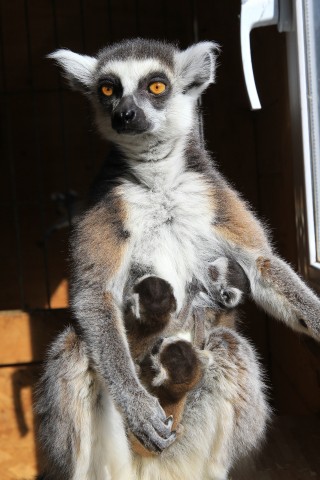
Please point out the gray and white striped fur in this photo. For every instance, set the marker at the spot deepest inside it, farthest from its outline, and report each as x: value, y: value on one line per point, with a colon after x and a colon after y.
x: 160, y: 208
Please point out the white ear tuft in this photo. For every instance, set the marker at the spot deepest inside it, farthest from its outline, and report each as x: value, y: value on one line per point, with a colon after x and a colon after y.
x: 196, y: 67
x: 78, y: 69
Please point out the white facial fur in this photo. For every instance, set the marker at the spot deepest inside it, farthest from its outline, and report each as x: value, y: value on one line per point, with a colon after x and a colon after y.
x: 132, y: 70
x: 169, y: 123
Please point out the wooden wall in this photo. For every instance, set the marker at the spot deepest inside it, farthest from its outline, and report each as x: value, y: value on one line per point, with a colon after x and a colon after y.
x: 49, y: 146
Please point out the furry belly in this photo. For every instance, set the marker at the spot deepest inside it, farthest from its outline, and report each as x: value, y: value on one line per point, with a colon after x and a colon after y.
x: 171, y: 229
x: 176, y: 255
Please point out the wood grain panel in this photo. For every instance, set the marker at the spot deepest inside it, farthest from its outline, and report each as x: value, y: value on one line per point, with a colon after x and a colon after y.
x: 295, y: 371
x: 15, y: 51
x: 26, y: 336
x: 17, y: 445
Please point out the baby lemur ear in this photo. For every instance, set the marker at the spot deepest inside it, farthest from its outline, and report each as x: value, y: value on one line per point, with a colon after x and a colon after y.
x: 196, y: 67
x: 78, y: 69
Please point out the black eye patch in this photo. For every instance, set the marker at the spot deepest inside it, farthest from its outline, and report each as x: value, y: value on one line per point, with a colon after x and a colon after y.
x: 157, y: 101
x: 111, y: 81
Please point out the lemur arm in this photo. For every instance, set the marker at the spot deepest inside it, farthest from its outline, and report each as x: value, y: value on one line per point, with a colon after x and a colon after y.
x: 99, y: 248
x: 274, y: 285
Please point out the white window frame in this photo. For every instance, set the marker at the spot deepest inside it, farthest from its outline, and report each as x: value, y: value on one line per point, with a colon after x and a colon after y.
x: 301, y: 130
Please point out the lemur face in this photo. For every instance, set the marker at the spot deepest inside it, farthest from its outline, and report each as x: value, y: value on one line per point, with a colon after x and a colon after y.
x: 142, y: 88
x: 134, y: 96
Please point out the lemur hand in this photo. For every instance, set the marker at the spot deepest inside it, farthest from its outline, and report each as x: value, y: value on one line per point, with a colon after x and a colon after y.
x: 147, y: 421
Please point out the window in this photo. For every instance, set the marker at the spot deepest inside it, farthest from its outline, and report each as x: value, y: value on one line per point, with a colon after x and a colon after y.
x: 311, y: 11
x: 304, y: 80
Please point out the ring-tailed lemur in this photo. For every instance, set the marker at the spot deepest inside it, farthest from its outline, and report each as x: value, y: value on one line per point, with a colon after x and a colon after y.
x: 160, y: 208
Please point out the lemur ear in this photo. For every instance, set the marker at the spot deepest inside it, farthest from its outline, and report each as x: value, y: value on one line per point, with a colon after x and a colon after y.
x: 196, y: 67
x: 78, y: 69
x: 218, y: 270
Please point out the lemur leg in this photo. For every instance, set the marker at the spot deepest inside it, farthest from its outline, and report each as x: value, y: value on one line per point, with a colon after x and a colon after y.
x: 80, y: 430
x: 239, y: 403
x: 280, y: 291
x: 273, y: 283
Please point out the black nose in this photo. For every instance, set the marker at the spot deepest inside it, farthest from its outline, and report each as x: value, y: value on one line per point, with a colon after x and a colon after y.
x: 125, y: 113
x: 123, y: 118
x: 128, y: 116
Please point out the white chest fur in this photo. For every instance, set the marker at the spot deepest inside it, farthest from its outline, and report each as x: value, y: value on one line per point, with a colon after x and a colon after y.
x: 170, y: 220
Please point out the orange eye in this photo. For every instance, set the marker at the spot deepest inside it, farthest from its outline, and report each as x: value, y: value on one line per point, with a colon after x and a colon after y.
x: 107, y: 90
x: 157, y: 87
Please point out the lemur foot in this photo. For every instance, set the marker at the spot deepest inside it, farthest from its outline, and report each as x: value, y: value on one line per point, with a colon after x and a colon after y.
x: 149, y: 423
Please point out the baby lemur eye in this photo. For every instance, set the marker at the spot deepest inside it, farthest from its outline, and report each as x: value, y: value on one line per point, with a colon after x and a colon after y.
x: 157, y: 87
x: 107, y: 90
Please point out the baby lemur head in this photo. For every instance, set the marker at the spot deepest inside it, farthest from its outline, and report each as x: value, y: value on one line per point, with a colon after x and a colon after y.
x: 142, y: 88
x: 229, y: 284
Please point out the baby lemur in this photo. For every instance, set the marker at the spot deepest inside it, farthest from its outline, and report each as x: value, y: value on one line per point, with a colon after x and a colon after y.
x: 171, y: 367
x: 160, y: 208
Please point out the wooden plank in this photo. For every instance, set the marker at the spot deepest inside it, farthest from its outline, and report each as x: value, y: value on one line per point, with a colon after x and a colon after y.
x: 9, y: 273
x: 18, y: 456
x: 42, y: 42
x: 32, y: 261
x: 67, y: 18
x: 122, y: 20
x: 5, y: 151
x: 15, y: 52
x: 96, y: 25
x: 27, y: 335
x: 295, y: 372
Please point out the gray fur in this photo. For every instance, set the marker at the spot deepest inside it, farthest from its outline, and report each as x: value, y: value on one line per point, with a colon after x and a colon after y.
x: 161, y: 204
x: 138, y: 49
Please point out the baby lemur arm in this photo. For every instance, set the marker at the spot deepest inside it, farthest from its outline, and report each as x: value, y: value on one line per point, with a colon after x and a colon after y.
x: 274, y: 285
x: 100, y: 244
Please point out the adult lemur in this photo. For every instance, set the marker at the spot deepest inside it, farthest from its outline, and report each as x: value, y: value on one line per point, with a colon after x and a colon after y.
x: 159, y: 208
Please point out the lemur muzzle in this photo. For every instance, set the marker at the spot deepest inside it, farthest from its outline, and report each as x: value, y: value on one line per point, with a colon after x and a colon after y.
x: 127, y: 117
